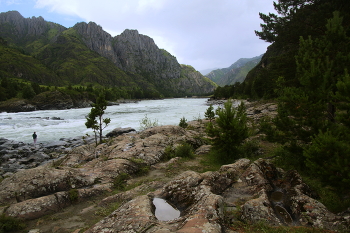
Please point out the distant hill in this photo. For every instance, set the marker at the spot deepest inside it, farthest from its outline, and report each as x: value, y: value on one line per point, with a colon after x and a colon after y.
x: 50, y: 54
x: 207, y: 71
x: 237, y: 72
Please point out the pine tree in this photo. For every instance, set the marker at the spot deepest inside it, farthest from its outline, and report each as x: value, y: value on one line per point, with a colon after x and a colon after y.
x: 210, y: 114
x: 228, y: 131
x: 95, y: 119
x: 313, y: 117
x: 309, y: 107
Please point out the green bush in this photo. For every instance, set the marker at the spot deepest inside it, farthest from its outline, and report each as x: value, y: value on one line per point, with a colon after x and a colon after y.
x: 73, y: 195
x: 10, y: 224
x: 146, y: 123
x: 328, y: 158
x: 210, y: 114
x: 183, y: 122
x: 169, y: 153
x: 327, y: 195
x: 249, y: 149
x: 228, y: 131
x: 120, y: 181
x: 184, y: 150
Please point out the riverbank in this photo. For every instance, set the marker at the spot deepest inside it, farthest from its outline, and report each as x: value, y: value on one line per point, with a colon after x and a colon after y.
x: 111, y: 188
x: 17, y: 155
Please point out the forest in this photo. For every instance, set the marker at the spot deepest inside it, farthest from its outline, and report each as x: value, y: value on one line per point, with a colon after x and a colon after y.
x: 306, y: 72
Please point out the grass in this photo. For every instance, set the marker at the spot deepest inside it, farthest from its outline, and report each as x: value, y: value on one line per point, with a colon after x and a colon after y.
x: 104, y: 212
x: 328, y: 196
x: 263, y: 227
x: 10, y: 224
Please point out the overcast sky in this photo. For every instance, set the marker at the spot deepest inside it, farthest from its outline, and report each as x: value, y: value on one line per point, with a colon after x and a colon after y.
x: 202, y: 33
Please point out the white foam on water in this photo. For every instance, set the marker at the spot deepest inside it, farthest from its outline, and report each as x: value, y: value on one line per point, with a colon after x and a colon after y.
x: 20, y: 126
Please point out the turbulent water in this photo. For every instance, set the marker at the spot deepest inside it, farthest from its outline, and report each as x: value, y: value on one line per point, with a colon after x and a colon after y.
x: 51, y: 125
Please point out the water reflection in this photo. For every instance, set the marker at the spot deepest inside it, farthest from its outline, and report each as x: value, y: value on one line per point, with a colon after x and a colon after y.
x: 164, y: 211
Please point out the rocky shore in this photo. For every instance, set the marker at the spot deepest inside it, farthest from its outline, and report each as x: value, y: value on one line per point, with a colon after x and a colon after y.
x: 74, y: 183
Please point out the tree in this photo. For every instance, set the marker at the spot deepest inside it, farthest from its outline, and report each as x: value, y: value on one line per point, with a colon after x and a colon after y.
x: 313, y: 117
x: 275, y: 24
x: 28, y: 92
x: 95, y: 119
x: 210, y: 114
x: 228, y: 131
x: 320, y: 64
x: 183, y: 122
x: 328, y: 158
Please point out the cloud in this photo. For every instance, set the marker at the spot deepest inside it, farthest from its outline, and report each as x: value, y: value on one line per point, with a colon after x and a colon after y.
x: 202, y: 33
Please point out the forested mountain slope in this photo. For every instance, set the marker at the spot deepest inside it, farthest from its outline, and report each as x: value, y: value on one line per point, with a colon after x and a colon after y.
x: 237, y: 72
x: 87, y: 55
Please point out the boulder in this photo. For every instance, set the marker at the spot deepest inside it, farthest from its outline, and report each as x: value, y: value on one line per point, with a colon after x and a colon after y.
x: 268, y: 193
x: 119, y: 131
x: 254, y: 191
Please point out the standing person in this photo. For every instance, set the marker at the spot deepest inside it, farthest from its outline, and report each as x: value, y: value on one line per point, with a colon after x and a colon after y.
x: 34, y: 137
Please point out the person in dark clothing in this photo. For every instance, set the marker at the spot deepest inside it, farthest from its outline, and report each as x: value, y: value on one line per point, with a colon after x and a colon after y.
x: 34, y: 137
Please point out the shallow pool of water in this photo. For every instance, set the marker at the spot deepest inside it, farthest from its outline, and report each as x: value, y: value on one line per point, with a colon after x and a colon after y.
x: 165, y: 211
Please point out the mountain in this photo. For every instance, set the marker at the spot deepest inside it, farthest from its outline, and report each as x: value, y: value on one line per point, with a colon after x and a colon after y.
x: 237, y: 72
x: 207, y: 71
x: 85, y: 54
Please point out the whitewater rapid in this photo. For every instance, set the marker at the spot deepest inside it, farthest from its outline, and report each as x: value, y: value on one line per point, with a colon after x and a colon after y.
x: 51, y: 125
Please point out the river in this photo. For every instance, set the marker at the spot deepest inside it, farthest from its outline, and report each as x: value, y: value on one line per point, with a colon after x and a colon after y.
x: 51, y: 125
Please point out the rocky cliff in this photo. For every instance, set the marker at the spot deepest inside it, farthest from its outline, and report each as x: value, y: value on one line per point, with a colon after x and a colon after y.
x: 135, y: 55
x: 23, y: 31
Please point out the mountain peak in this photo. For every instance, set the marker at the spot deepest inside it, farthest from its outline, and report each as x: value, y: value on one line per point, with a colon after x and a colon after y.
x: 86, y: 53
x: 234, y: 73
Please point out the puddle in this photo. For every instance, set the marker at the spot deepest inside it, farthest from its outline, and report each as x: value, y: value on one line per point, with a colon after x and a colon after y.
x: 277, y: 196
x: 165, y: 211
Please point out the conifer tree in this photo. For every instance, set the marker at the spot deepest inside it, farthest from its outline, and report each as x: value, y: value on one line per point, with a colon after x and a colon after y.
x: 210, y: 114
x: 95, y: 119
x: 320, y: 64
x: 313, y: 117
x: 228, y: 131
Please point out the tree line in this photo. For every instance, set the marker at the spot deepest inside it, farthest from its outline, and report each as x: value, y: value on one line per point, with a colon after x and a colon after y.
x: 307, y: 73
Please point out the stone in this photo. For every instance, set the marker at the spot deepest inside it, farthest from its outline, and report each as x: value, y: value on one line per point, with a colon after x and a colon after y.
x: 119, y: 131
x: 255, y: 190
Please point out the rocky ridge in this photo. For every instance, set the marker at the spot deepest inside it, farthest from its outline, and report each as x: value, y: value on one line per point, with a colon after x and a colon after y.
x: 209, y: 202
x: 133, y: 53
x: 28, y: 28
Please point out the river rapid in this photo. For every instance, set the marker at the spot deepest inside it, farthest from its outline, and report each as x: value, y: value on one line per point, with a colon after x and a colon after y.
x: 52, y: 125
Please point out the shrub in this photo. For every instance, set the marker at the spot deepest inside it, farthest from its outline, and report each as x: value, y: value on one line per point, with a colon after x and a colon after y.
x: 146, y: 123
x: 120, y: 180
x: 228, y: 131
x: 328, y: 158
x: 183, y: 122
x: 169, y: 153
x: 73, y: 195
x: 9, y: 224
x: 184, y: 150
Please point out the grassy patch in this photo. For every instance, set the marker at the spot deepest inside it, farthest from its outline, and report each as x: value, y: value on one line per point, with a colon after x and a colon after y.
x: 264, y: 227
x: 104, y: 212
x: 329, y: 196
x: 10, y: 224
x: 73, y: 195
x: 120, y: 181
